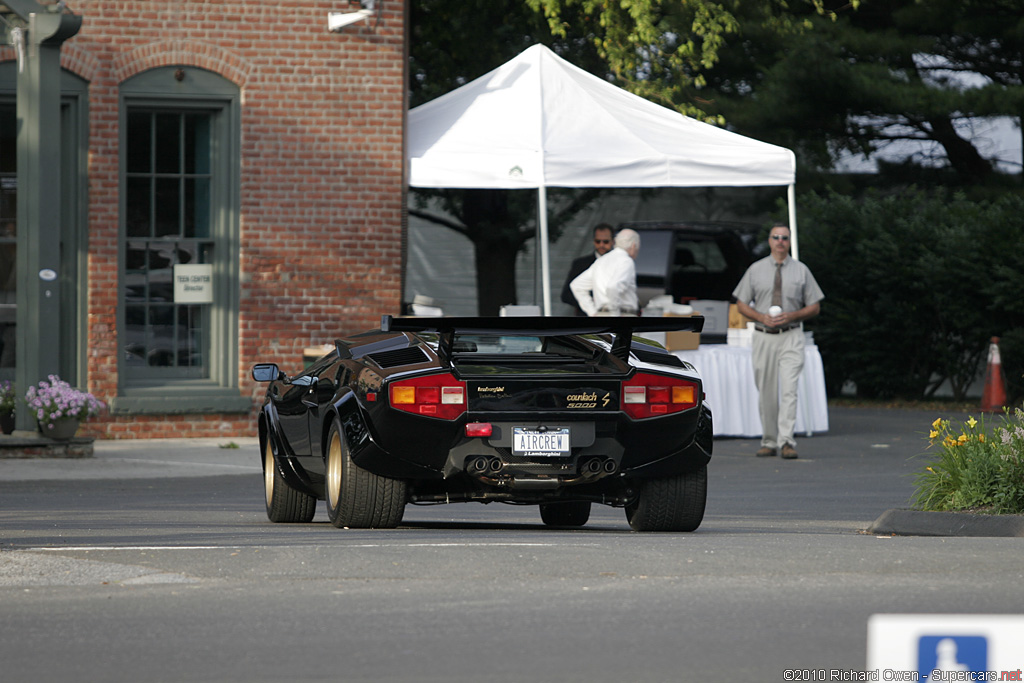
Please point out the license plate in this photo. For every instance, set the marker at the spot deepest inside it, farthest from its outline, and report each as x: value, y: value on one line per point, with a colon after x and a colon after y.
x: 533, y: 442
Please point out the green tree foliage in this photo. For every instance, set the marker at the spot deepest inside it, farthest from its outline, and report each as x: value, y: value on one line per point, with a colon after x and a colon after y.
x: 662, y: 49
x: 893, y: 70
x: 915, y: 285
x: 452, y: 43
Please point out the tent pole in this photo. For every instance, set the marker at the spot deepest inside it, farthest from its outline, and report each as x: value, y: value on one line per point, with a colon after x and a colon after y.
x: 791, y: 200
x: 542, y: 237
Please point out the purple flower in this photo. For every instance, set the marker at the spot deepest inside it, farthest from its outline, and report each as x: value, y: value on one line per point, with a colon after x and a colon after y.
x: 55, y: 398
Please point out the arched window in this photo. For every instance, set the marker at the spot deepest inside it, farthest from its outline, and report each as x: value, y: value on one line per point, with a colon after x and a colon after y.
x: 178, y: 310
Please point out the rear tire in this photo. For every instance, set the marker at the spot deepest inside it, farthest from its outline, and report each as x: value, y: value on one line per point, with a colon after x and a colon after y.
x: 670, y: 504
x: 356, y: 498
x: 571, y: 513
x: 284, y: 504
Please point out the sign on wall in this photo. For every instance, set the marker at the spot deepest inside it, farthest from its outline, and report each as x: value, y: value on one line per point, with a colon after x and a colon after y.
x: 193, y: 283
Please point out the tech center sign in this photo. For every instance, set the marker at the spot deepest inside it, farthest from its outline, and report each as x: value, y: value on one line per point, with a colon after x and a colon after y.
x: 193, y: 283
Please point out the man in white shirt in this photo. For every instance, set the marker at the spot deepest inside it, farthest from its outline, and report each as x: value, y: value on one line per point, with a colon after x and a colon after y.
x: 609, y: 286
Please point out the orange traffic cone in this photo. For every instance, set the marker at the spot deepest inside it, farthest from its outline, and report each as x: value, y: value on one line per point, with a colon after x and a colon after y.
x: 993, y: 397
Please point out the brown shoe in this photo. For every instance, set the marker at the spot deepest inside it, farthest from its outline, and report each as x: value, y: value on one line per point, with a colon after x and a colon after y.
x: 765, y: 452
x: 788, y: 452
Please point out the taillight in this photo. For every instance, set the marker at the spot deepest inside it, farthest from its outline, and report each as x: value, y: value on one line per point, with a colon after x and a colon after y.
x: 479, y: 429
x: 649, y: 395
x: 440, y: 396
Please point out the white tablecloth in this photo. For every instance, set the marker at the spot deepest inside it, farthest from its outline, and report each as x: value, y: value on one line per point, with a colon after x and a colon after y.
x: 729, y: 384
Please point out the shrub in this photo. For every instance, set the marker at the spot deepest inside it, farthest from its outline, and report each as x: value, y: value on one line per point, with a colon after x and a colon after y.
x: 974, y: 469
x: 915, y: 285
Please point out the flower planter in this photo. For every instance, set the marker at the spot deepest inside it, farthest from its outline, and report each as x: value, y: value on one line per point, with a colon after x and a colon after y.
x: 61, y: 429
x: 7, y: 422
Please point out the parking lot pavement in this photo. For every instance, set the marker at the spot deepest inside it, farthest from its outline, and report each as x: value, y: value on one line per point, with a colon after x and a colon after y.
x: 874, y: 447
x: 144, y: 459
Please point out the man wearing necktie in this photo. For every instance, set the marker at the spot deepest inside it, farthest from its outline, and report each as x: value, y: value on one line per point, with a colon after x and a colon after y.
x: 778, y: 293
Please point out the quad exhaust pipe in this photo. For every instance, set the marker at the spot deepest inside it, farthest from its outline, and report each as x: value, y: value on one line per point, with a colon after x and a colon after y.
x: 594, y: 468
x: 484, y: 465
x: 598, y: 465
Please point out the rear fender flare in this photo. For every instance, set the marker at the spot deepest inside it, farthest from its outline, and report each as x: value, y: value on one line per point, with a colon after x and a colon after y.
x: 692, y: 457
x: 345, y: 409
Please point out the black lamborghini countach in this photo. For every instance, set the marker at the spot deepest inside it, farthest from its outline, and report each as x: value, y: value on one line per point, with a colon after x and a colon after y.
x: 555, y: 412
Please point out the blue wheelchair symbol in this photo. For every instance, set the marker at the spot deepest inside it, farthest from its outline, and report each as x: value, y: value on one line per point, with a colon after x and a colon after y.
x: 951, y: 653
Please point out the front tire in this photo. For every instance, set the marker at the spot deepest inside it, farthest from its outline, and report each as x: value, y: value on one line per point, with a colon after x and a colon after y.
x: 356, y: 498
x: 284, y: 504
x: 670, y: 504
x: 570, y: 513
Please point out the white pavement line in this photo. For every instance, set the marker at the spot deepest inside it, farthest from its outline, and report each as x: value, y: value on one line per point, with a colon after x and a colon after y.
x: 78, y: 548
x: 188, y: 464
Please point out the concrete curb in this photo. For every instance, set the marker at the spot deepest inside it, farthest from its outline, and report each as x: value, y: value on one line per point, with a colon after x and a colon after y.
x: 917, y: 523
x: 26, y: 445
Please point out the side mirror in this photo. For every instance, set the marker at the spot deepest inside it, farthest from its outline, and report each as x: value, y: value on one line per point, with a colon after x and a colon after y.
x: 266, y: 372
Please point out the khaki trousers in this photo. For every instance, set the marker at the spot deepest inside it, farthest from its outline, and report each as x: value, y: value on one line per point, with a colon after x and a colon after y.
x: 778, y: 360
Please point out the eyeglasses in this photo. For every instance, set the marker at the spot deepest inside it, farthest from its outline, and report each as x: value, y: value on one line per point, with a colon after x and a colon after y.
x: 597, y: 241
x: 780, y: 238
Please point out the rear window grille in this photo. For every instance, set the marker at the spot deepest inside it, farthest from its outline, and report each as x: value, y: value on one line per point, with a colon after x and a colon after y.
x: 397, y: 357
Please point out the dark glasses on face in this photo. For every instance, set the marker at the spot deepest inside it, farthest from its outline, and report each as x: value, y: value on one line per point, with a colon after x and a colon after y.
x: 781, y: 238
x: 597, y: 241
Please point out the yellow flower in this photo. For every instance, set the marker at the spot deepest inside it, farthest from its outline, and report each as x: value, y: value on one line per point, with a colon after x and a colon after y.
x: 971, y: 422
x: 931, y: 470
x: 981, y: 438
x: 932, y: 434
x: 949, y: 442
x: 938, y: 421
x: 962, y: 439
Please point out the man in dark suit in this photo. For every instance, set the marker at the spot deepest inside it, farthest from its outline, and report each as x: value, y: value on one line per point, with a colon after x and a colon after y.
x: 602, y: 245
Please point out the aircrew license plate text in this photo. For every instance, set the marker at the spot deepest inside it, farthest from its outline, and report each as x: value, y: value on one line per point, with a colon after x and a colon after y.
x: 533, y: 442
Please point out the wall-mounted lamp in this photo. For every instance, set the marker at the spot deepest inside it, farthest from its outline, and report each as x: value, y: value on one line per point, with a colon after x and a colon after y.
x: 339, y: 20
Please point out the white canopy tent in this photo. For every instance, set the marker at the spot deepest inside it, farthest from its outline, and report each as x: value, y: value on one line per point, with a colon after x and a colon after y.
x: 538, y: 121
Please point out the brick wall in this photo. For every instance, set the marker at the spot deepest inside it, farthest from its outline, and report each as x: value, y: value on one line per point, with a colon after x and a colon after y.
x: 321, y: 173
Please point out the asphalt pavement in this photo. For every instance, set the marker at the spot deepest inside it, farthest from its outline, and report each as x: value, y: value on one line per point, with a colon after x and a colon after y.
x: 875, y: 449
x: 143, y: 459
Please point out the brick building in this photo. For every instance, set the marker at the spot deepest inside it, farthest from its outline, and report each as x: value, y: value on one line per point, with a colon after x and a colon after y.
x: 243, y: 140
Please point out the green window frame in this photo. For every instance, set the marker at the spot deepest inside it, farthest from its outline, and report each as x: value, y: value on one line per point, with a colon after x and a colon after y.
x: 73, y: 270
x: 179, y: 205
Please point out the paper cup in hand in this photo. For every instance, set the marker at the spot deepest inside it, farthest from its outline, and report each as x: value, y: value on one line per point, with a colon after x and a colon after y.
x: 774, y: 311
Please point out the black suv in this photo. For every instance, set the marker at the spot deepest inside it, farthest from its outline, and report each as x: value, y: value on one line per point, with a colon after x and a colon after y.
x: 694, y: 259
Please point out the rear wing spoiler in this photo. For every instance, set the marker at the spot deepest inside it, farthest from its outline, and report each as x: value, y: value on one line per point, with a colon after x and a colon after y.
x: 542, y: 326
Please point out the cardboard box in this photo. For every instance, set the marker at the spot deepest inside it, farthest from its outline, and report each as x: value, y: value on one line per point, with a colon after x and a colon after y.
x: 682, y: 341
x: 736, y: 319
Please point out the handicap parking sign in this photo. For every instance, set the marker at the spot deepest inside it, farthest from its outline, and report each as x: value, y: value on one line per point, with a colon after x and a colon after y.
x: 945, y: 647
x: 949, y: 654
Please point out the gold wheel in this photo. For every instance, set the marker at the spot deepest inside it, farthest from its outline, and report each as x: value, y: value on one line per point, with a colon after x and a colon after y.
x: 335, y: 455
x: 268, y: 472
